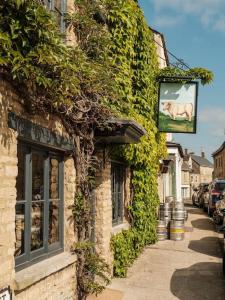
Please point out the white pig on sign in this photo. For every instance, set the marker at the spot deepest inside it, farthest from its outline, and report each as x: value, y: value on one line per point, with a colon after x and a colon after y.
x: 178, y: 109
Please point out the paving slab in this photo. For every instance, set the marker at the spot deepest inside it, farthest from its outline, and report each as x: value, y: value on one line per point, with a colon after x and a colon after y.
x: 187, y: 270
x: 108, y: 294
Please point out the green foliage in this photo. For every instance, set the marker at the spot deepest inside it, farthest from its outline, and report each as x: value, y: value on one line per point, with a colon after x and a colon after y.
x: 34, y: 55
x: 123, y: 245
x: 204, y: 75
x: 134, y: 55
x: 96, y: 271
x: 71, y: 82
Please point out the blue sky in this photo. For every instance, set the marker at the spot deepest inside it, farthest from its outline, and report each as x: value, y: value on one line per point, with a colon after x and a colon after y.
x: 194, y: 31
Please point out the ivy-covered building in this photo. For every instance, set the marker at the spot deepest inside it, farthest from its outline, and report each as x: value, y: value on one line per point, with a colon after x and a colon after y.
x: 55, y: 118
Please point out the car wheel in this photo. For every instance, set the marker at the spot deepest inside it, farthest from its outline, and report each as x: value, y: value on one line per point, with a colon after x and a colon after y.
x: 209, y: 211
x: 224, y: 264
x: 204, y: 207
x: 216, y: 218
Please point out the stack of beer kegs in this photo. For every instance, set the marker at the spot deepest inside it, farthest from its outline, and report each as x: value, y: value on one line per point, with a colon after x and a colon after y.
x: 177, y: 222
x: 165, y: 214
x: 171, y: 218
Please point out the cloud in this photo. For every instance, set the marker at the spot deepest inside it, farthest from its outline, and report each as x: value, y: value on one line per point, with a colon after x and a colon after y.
x: 210, y: 13
x: 215, y: 119
x: 220, y: 25
x: 167, y: 21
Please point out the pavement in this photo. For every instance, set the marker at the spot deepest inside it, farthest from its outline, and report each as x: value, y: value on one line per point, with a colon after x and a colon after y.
x: 187, y: 270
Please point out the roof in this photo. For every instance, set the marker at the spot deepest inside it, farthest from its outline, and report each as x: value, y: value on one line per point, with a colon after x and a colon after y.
x: 219, y: 149
x: 202, y: 161
x: 185, y: 166
x: 175, y: 145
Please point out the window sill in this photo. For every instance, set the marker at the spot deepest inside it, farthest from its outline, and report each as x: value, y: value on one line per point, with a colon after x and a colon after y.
x: 118, y: 228
x: 43, y: 269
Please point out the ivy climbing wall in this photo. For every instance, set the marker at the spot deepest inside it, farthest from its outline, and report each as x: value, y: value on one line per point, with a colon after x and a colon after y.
x: 134, y: 55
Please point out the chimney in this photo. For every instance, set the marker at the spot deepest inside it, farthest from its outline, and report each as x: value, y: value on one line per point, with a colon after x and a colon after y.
x: 186, y: 151
x: 203, y: 154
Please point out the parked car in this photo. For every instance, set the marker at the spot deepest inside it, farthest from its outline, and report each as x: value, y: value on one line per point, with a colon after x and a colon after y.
x: 206, y: 199
x: 194, y: 196
x: 215, y: 190
x: 199, y: 197
x: 219, y: 212
x: 203, y: 188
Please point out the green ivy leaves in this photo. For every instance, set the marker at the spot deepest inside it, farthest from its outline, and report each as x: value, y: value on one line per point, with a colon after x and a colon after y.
x: 134, y: 55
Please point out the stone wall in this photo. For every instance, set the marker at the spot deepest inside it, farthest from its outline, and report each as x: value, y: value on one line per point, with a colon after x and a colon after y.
x: 70, y: 35
x: 104, y: 228
x: 161, y: 187
x: 206, y: 174
x: 53, y: 285
x: 58, y: 286
x: 103, y: 203
x: 8, y: 174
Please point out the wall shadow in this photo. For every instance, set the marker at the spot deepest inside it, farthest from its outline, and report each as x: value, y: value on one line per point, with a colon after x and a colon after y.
x: 201, y: 281
x: 207, y: 245
x: 203, y: 224
x: 195, y: 211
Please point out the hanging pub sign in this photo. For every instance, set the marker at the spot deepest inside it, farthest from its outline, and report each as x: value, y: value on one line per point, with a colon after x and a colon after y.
x: 177, y: 106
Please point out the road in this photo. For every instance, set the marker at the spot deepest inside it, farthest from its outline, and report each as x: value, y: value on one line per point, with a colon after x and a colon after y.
x: 185, y: 270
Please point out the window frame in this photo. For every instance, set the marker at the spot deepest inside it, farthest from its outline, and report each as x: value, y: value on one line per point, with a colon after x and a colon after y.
x: 50, y: 5
x: 30, y: 257
x: 115, y: 166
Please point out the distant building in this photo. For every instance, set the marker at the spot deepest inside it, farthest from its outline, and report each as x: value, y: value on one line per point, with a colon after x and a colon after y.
x: 219, y: 162
x: 170, y: 177
x: 195, y: 170
x: 202, y: 169
x: 185, y: 179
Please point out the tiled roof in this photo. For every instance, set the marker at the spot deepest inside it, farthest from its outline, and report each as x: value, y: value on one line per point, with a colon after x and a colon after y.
x: 220, y: 149
x: 185, y: 166
x: 202, y: 161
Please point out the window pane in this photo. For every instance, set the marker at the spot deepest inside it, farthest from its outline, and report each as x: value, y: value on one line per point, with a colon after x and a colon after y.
x: 20, y: 180
x: 54, y: 179
x: 119, y: 178
x: 37, y: 176
x: 37, y: 224
x: 53, y: 222
x: 220, y: 186
x: 117, y: 192
x: 48, y: 3
x: 114, y: 202
x: 20, y: 227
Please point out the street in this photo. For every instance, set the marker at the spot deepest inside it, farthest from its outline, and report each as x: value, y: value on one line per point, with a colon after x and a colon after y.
x: 190, y: 269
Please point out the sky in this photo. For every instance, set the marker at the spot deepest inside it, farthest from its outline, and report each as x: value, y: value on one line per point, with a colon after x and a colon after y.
x: 194, y: 30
